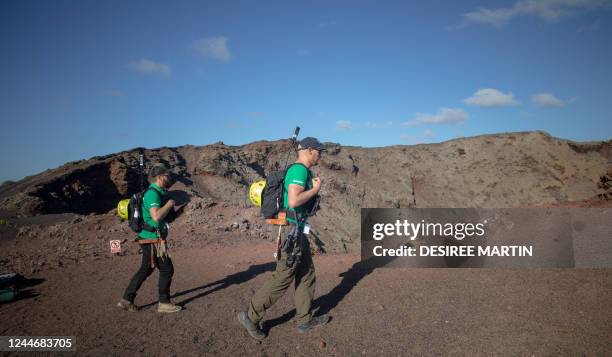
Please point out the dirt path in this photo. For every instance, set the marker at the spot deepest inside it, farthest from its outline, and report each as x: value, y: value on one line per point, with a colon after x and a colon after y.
x: 388, y: 311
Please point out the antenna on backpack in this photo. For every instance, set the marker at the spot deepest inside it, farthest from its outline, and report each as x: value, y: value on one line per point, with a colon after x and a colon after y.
x: 293, y: 140
x: 141, y: 167
x: 295, y: 133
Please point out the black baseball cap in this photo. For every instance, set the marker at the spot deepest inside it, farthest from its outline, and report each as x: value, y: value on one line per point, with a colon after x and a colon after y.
x: 310, y: 143
x: 159, y: 169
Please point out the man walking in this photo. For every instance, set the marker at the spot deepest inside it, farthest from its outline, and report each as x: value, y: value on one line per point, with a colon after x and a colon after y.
x: 156, y: 209
x: 295, y: 262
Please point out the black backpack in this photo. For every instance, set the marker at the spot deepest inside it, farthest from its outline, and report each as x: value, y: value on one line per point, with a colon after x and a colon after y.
x: 135, y: 219
x: 272, y: 196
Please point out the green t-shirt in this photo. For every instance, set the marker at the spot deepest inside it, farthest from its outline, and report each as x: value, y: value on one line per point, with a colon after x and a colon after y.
x: 154, y: 197
x: 297, y: 174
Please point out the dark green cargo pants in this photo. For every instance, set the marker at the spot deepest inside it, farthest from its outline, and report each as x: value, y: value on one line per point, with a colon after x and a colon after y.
x: 302, y: 273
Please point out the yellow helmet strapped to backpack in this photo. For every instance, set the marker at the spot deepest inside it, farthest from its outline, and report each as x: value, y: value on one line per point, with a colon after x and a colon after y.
x: 255, y: 192
x: 122, y: 208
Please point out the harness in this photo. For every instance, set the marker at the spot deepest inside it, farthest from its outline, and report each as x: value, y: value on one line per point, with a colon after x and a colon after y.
x: 294, y: 240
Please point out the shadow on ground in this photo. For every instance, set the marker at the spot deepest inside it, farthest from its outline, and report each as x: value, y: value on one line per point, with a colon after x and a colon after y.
x: 233, y: 279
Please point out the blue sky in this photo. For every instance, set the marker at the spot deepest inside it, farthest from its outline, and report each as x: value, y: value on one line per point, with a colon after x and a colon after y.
x: 85, y: 78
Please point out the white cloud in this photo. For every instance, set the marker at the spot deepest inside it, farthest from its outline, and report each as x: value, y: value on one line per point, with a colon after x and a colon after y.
x: 344, y: 125
x: 444, y: 116
x: 496, y: 17
x: 547, y: 10
x: 547, y: 100
x: 490, y: 97
x: 213, y: 47
x: 150, y: 67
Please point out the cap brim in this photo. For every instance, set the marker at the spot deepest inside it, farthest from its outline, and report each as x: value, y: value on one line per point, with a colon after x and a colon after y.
x: 155, y: 174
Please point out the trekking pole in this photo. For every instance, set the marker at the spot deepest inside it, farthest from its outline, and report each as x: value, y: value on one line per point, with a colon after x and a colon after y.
x: 278, y: 243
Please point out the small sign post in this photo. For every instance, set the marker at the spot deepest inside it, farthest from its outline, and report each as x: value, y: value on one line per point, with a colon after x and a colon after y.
x: 115, y: 246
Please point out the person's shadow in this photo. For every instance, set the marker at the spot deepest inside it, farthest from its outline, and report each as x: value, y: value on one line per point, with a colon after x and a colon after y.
x: 233, y: 279
x: 16, y: 284
x: 325, y: 303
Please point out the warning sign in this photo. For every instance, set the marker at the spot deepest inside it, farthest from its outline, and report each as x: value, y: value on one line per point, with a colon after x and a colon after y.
x: 115, y: 246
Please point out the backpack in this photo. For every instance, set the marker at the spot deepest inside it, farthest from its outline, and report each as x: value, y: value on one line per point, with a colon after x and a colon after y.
x: 135, y: 219
x: 272, y: 196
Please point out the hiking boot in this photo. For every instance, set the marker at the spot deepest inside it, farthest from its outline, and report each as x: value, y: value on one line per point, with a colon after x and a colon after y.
x: 314, y: 322
x: 123, y: 304
x: 168, y: 308
x: 251, y: 327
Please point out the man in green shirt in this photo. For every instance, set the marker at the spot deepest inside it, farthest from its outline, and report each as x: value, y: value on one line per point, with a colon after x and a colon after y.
x: 295, y: 263
x: 156, y: 209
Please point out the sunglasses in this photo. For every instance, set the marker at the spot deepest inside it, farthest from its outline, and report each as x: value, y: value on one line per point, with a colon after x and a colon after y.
x: 320, y: 151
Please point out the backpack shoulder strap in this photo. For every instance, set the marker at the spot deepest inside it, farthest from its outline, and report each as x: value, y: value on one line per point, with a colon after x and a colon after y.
x: 151, y: 189
x: 299, y: 163
x: 295, y: 163
x: 145, y: 225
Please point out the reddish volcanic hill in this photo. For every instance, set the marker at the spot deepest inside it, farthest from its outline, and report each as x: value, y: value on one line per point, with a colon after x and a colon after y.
x: 502, y: 170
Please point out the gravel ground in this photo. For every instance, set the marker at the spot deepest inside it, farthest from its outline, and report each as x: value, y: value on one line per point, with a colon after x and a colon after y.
x: 386, y: 311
